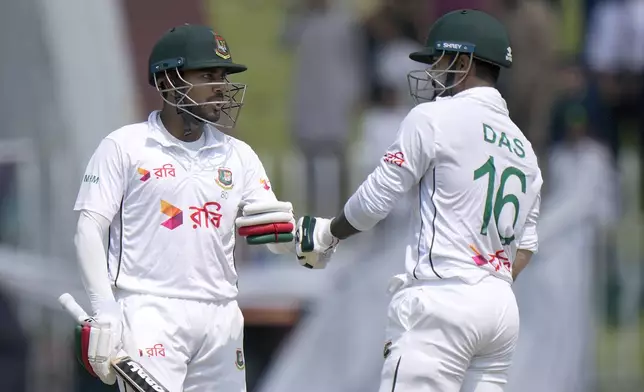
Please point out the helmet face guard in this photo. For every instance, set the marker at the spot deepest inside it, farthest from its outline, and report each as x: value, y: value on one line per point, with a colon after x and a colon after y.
x: 427, y: 84
x: 230, y: 97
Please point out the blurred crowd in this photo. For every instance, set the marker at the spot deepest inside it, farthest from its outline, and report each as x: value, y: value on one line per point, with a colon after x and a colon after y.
x: 577, y: 81
x: 576, y: 89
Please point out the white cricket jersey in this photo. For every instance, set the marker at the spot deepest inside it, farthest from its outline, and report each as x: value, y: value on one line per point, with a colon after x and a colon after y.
x: 173, y: 210
x: 476, y: 184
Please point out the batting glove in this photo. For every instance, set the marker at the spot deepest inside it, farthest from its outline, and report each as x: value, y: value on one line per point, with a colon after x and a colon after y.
x: 269, y: 222
x: 314, y: 243
x: 98, y: 340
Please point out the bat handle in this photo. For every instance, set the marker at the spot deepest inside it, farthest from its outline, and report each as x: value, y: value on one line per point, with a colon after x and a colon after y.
x: 73, y: 308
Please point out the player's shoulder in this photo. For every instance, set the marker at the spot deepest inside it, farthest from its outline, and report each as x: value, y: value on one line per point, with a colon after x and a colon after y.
x: 455, y: 107
x: 436, y: 114
x: 245, y: 153
x: 241, y: 147
x: 439, y: 107
x: 424, y: 113
x: 131, y: 135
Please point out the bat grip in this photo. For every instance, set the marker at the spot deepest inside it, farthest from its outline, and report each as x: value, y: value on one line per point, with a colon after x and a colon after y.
x: 73, y: 308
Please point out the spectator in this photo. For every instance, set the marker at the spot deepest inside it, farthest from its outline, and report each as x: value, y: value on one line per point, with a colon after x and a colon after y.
x: 528, y: 86
x: 391, y: 23
x: 327, y: 87
x: 615, y: 55
x: 576, y: 89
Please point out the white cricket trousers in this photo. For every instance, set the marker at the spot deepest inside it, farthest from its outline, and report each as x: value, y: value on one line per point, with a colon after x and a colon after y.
x: 449, y: 336
x: 187, y: 345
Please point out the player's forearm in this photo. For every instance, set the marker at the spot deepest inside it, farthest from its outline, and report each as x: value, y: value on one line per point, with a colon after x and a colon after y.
x: 90, y: 251
x: 521, y: 261
x: 341, y: 228
x: 371, y: 203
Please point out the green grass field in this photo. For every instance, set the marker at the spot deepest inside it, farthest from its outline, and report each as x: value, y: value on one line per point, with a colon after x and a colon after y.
x: 252, y: 29
x: 621, y: 359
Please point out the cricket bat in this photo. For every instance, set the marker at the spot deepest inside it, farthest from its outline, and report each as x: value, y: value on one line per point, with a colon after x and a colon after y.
x: 128, y: 370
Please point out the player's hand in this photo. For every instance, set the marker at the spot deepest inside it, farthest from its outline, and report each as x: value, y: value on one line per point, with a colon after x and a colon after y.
x: 98, y: 340
x: 314, y: 243
x: 270, y: 222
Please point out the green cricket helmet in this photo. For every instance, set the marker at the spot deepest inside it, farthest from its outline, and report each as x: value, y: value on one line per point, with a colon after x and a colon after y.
x: 193, y: 47
x: 470, y: 32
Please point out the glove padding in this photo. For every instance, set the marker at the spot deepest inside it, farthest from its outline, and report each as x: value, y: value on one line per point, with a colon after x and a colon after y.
x: 97, y: 341
x: 279, y: 238
x: 314, y: 243
x: 268, y: 222
x: 268, y: 228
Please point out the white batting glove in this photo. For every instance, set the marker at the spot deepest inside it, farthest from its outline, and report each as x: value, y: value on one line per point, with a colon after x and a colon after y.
x: 103, y: 332
x: 314, y: 243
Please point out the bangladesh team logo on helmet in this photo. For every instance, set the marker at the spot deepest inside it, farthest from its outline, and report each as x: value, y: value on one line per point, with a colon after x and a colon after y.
x: 221, y: 49
x: 195, y: 47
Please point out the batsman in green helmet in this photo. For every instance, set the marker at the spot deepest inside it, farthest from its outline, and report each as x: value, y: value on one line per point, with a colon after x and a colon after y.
x: 168, y: 191
x: 464, y: 49
x: 475, y: 183
x: 190, y: 66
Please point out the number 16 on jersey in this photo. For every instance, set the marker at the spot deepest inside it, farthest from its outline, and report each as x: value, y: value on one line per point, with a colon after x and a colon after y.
x: 497, y: 199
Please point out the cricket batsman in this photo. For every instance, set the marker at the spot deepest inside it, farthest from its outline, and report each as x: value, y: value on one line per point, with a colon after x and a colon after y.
x: 453, y: 320
x: 168, y: 192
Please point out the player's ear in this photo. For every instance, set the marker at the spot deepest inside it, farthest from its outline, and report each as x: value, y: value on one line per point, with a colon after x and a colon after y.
x: 463, y: 62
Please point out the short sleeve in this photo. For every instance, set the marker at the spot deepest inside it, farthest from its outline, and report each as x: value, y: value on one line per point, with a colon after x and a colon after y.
x: 403, y: 165
x: 102, y: 185
x: 257, y: 186
x: 529, y: 239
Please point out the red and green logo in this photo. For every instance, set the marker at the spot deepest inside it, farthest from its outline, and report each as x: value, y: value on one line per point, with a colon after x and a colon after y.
x: 224, y: 178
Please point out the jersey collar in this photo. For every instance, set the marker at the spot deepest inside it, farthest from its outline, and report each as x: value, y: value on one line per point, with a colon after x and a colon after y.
x: 214, y: 137
x: 488, y: 95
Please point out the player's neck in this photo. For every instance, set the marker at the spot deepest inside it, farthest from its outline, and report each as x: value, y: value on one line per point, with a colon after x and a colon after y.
x: 174, y: 124
x: 475, y: 82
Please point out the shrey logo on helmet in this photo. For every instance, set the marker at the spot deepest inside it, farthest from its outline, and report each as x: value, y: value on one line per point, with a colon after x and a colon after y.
x: 455, y: 41
x: 221, y: 49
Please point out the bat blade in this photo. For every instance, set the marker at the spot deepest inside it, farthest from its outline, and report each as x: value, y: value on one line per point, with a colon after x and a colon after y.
x: 135, y: 376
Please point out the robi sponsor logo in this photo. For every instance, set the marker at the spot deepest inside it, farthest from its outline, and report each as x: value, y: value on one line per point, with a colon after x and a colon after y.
x: 497, y: 259
x: 266, y: 184
x: 145, y: 175
x: 395, y: 158
x: 165, y: 171
x: 175, y: 214
x: 204, y: 216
